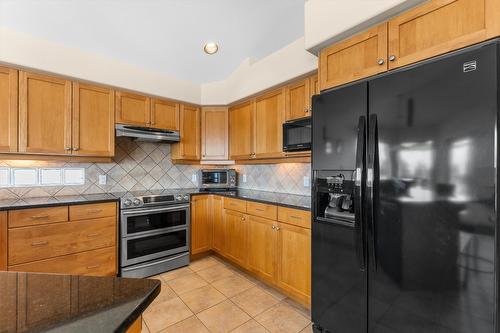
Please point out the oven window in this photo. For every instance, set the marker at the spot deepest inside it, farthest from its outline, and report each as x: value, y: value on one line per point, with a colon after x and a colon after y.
x: 296, y: 135
x: 147, y: 245
x: 155, y: 221
x: 215, y: 177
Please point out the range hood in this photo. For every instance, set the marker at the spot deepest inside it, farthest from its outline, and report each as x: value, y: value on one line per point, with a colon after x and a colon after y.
x: 147, y: 134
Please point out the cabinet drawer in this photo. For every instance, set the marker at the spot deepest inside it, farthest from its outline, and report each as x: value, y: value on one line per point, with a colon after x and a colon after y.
x: 235, y: 204
x: 300, y: 218
x: 92, y: 211
x: 37, y: 216
x: 52, y: 240
x: 101, y: 262
x: 262, y: 210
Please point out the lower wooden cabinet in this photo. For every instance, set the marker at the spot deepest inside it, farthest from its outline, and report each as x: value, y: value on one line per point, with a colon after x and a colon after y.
x: 201, y: 224
x: 236, y: 236
x: 262, y: 248
x: 218, y: 225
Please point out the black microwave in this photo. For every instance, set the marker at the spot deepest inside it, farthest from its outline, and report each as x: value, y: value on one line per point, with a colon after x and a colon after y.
x: 297, y: 135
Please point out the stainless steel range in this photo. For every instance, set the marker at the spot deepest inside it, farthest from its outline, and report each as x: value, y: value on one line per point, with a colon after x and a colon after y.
x: 154, y: 232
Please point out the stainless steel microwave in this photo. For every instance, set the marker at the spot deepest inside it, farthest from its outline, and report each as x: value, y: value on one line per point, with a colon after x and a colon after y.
x: 297, y: 135
x: 217, y: 178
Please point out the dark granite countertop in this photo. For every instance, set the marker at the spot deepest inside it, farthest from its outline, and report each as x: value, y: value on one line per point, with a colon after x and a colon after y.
x: 55, y: 201
x: 36, y: 302
x: 281, y: 199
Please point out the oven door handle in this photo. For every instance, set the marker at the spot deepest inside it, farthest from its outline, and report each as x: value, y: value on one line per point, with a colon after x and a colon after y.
x: 135, y: 212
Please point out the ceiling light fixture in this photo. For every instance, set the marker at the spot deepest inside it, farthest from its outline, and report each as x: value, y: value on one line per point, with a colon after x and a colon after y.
x: 211, y: 48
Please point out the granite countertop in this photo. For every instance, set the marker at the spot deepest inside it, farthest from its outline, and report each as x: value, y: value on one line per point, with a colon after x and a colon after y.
x: 55, y: 201
x: 36, y: 302
x: 281, y: 199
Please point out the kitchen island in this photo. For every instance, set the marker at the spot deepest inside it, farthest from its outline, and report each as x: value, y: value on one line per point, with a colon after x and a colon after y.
x: 70, y: 303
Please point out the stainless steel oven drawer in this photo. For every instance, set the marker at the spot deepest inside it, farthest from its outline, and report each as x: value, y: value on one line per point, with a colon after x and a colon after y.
x: 155, y: 267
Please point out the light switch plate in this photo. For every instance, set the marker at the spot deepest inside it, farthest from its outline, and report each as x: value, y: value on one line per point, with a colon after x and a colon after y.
x: 244, y: 178
x: 103, y: 179
x: 307, y: 181
x: 194, y: 177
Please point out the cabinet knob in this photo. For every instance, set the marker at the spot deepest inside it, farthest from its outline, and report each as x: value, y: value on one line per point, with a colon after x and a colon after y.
x: 67, y: 148
x: 76, y: 149
x: 278, y: 228
x: 381, y: 62
x: 243, y: 219
x: 392, y: 57
x: 274, y: 227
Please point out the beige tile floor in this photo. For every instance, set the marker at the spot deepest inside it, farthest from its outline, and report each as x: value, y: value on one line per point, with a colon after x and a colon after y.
x: 212, y: 296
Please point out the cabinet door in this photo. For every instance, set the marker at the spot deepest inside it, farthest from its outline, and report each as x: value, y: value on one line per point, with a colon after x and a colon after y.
x: 214, y: 133
x: 8, y: 110
x: 93, y: 120
x: 164, y: 114
x: 201, y: 224
x: 218, y: 238
x: 294, y: 261
x: 241, y: 131
x: 236, y: 236
x: 44, y: 114
x: 189, y: 146
x: 355, y: 58
x: 132, y: 109
x: 269, y: 118
x: 3, y: 241
x: 438, y: 27
x: 297, y: 99
x: 262, y: 247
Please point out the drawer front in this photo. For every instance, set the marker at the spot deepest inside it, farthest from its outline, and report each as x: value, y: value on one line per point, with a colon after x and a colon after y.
x: 37, y: 216
x: 101, y: 262
x: 92, y: 211
x: 300, y: 218
x: 48, y: 241
x: 262, y: 210
x: 235, y: 204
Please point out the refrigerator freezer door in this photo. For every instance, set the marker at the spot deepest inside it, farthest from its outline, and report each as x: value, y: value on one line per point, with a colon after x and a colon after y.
x: 435, y: 214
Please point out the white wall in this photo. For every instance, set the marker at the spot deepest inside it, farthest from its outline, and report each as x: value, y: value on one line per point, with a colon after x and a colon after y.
x: 22, y: 49
x: 328, y: 21
x: 251, y: 77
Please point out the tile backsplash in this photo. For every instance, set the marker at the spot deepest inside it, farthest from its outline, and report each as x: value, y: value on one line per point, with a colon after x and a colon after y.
x: 145, y: 166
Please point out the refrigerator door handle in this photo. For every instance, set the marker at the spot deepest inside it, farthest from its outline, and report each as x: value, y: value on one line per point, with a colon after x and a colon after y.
x: 358, y: 194
x: 372, y: 176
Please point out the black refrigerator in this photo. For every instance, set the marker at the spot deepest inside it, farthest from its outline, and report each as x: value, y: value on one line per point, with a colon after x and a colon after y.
x: 404, y: 199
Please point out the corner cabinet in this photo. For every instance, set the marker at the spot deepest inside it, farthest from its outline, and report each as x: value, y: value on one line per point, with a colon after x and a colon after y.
x: 241, y: 129
x: 93, y: 132
x: 214, y: 134
x: 189, y: 146
x: 8, y: 109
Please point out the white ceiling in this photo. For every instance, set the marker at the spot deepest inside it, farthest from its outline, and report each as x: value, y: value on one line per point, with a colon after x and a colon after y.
x: 166, y: 36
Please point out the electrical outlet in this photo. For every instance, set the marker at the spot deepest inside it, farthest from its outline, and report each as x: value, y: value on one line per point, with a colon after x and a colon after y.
x: 194, y: 178
x: 103, y: 179
x: 307, y: 181
x: 244, y: 178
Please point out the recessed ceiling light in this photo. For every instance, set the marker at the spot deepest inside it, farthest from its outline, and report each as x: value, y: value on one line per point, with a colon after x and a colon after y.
x: 211, y: 48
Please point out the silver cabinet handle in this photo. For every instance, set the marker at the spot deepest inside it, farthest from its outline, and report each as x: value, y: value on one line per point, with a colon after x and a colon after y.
x: 40, y: 243
x: 76, y: 149
x: 381, y: 62
x: 93, y: 266
x: 39, y: 217
x: 67, y: 148
x: 278, y: 228
x: 93, y: 235
x: 274, y: 227
x: 392, y: 57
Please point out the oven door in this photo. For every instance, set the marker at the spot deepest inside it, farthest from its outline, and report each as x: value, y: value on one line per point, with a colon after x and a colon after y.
x: 214, y: 178
x: 138, y: 249
x: 145, y: 221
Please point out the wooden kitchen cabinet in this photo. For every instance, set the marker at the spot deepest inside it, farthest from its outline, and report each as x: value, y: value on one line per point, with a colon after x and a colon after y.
x: 441, y: 26
x: 218, y: 225
x: 214, y: 133
x: 132, y: 109
x: 3, y: 241
x: 236, y: 236
x: 241, y: 131
x: 262, y: 247
x: 189, y: 146
x: 269, y: 118
x: 93, y: 125
x: 8, y: 109
x: 201, y: 224
x: 165, y: 114
x: 294, y: 260
x: 44, y: 114
x: 298, y: 98
x: 356, y: 58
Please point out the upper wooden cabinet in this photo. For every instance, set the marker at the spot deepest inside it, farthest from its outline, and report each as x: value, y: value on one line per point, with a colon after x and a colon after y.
x: 440, y: 26
x: 44, y: 114
x: 93, y: 120
x: 189, y: 146
x: 164, y: 114
x: 241, y: 123
x: 355, y: 58
x: 132, y: 109
x: 298, y: 98
x: 269, y: 118
x: 8, y: 109
x: 201, y: 224
x: 214, y: 133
